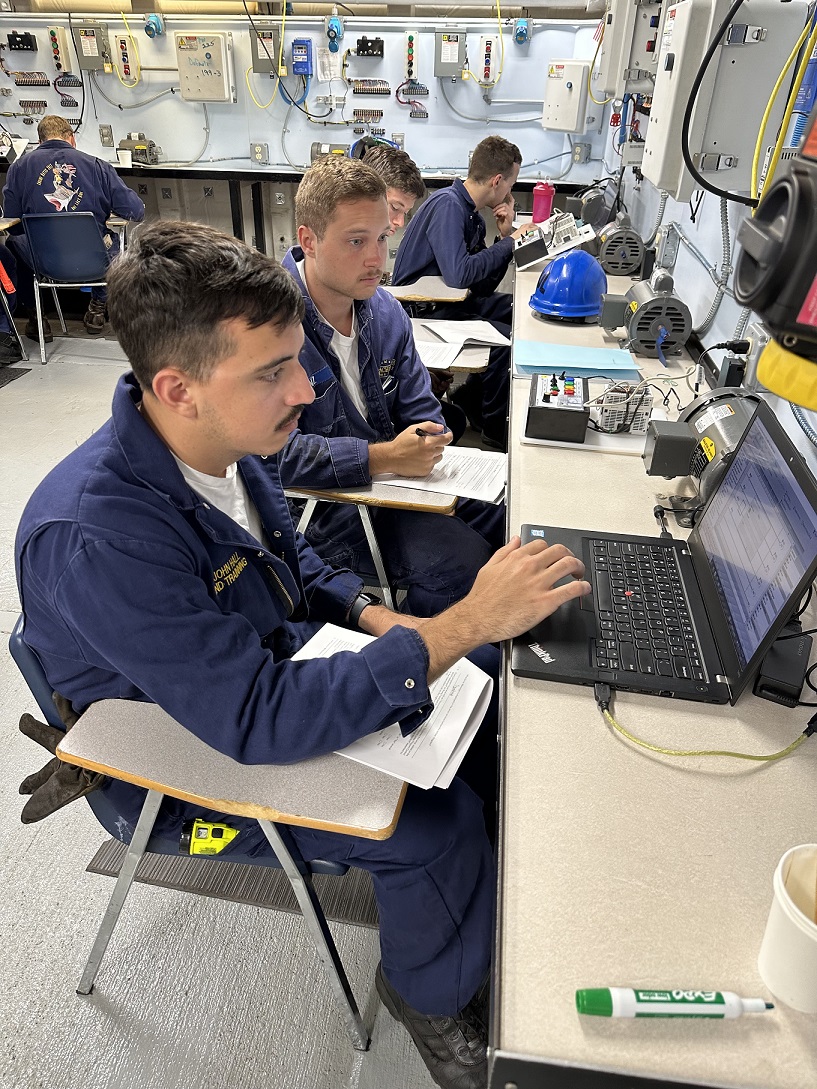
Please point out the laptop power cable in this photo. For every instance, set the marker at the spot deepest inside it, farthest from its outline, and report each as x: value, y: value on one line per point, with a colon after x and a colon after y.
x: 604, y: 697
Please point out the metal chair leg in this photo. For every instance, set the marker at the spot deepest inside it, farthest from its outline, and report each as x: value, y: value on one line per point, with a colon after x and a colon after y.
x: 306, y: 517
x: 377, y: 559
x: 39, y: 304
x: 136, y: 848
x: 59, y: 310
x: 321, y: 935
x: 12, y: 326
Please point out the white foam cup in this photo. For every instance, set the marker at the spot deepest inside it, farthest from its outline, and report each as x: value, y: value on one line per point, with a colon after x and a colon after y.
x: 788, y: 953
x: 124, y: 156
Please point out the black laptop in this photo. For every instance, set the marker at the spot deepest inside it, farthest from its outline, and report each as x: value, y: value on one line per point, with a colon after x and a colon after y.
x: 689, y: 619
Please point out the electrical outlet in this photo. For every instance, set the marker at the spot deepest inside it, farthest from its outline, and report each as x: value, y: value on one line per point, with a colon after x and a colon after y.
x: 259, y: 153
x: 106, y: 135
x: 581, y: 151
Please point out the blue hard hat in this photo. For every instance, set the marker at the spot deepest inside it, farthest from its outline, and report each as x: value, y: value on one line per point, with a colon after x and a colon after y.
x: 571, y: 286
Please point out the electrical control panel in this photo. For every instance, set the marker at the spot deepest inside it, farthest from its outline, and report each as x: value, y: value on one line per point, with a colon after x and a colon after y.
x: 265, y: 44
x: 556, y: 408
x: 25, y: 42
x: 302, y: 57
x: 92, y: 46
x: 489, y: 54
x: 369, y: 47
x: 411, y: 54
x: 449, y: 52
x: 565, y: 106
x: 205, y: 67
x: 127, y: 65
x: 60, y: 53
x: 732, y: 95
x: 628, y: 57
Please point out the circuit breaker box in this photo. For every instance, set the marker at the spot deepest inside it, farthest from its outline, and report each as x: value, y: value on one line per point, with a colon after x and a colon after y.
x: 731, y: 98
x: 449, y: 52
x: 265, y: 44
x: 565, y: 106
x: 628, y: 57
x: 92, y: 46
x: 205, y: 67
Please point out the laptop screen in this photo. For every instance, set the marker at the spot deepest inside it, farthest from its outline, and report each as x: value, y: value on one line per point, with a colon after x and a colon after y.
x: 759, y: 536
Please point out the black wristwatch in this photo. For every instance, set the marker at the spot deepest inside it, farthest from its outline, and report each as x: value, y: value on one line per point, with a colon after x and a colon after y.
x: 359, y: 604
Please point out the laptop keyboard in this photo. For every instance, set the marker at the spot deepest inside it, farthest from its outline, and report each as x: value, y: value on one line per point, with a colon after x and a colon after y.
x: 642, y: 616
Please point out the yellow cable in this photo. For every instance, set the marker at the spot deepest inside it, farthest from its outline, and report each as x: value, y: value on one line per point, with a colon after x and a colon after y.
x: 260, y: 105
x: 602, y: 101
x: 276, y: 74
x: 701, y: 752
x: 769, y: 107
x: 784, y: 124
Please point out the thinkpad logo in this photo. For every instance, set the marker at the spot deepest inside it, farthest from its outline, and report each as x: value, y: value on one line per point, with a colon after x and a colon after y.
x: 543, y: 654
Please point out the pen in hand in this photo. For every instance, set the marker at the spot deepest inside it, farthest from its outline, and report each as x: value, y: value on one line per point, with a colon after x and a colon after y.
x: 429, y: 434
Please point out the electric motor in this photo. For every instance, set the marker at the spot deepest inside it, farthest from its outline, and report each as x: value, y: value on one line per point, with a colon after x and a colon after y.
x: 621, y: 249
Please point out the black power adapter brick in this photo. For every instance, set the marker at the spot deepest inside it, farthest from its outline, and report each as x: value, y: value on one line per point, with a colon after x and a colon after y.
x: 783, y: 670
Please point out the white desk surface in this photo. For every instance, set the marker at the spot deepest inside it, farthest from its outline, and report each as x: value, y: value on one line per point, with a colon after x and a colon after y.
x: 380, y: 494
x: 620, y: 867
x: 142, y: 744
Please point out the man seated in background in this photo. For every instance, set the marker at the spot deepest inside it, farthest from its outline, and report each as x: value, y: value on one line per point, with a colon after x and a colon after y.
x: 404, y: 187
x: 372, y: 395
x: 56, y: 177
x: 447, y: 238
x: 404, y: 184
x: 116, y: 553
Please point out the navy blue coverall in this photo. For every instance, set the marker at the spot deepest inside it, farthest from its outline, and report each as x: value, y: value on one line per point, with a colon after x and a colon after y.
x: 436, y: 558
x: 56, y: 177
x: 446, y: 237
x: 134, y: 587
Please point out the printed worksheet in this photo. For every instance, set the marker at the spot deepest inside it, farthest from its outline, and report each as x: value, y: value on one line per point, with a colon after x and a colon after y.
x: 431, y: 754
x: 467, y: 332
x: 470, y: 474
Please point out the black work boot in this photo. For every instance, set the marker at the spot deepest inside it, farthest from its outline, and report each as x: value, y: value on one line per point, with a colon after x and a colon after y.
x: 453, y: 1048
x: 32, y: 332
x: 9, y: 349
x: 94, y: 320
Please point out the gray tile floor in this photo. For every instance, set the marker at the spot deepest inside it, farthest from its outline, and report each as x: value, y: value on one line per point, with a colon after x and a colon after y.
x: 193, y: 992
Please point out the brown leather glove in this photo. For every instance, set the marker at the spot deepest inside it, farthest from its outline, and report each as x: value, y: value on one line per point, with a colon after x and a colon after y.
x: 440, y: 382
x: 56, y: 783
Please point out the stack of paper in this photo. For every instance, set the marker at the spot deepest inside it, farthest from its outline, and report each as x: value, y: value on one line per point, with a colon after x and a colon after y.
x: 470, y: 474
x: 538, y: 357
x: 466, y: 333
x: 431, y: 754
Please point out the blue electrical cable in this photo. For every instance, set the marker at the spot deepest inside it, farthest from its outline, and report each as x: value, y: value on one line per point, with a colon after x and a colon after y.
x: 622, y: 132
x: 659, y: 340
x: 302, y: 99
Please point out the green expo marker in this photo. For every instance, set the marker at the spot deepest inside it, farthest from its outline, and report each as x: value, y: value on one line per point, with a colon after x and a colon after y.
x: 626, y: 1002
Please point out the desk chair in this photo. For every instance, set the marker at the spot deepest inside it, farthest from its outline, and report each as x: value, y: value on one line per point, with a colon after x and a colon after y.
x: 67, y: 251
x: 116, y: 738
x: 375, y: 494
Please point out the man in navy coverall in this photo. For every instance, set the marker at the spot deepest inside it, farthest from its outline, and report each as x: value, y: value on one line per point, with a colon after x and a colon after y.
x: 158, y: 562
x: 56, y: 177
x: 372, y: 393
x: 446, y: 237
